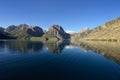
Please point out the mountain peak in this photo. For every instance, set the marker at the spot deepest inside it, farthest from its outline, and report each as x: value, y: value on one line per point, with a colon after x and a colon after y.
x: 58, y: 31
x: 56, y: 27
x: 10, y: 28
x: 86, y: 29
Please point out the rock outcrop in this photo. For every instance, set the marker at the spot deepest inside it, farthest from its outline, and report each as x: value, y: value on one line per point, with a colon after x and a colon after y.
x: 35, y: 31
x: 10, y: 28
x: 58, y: 32
x: 24, y: 31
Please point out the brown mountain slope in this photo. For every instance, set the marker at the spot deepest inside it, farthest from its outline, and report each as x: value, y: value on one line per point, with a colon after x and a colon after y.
x: 109, y: 31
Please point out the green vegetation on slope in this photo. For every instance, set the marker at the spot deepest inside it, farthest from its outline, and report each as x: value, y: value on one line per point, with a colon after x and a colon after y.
x: 45, y: 38
x: 20, y: 33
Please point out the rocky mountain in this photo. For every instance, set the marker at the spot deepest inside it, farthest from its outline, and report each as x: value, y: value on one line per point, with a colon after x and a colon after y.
x: 58, y: 32
x: 2, y: 30
x: 24, y: 31
x: 3, y: 34
x: 109, y: 31
x: 83, y: 33
x: 54, y: 33
x: 10, y: 28
x: 86, y: 29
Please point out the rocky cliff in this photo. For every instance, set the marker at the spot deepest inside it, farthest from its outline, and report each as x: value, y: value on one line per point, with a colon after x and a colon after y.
x: 24, y: 31
x: 10, y: 28
x: 58, y: 32
x: 27, y: 32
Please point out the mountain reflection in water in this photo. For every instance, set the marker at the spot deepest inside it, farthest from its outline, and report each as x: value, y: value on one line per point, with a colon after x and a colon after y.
x: 76, y: 61
x: 33, y: 46
x: 110, y: 50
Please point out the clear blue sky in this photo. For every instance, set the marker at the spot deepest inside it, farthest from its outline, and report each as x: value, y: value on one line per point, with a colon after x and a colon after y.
x: 70, y: 14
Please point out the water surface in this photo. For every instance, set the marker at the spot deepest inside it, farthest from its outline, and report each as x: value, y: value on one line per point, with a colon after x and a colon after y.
x: 26, y: 60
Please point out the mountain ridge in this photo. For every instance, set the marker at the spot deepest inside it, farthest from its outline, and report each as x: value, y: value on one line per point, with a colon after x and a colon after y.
x: 107, y: 32
x: 27, y: 32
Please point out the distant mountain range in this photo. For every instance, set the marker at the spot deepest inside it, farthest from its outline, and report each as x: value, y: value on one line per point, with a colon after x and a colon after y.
x: 26, y: 32
x: 109, y: 31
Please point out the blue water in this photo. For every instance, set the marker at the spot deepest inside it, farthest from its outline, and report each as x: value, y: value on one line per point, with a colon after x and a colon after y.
x: 25, y: 60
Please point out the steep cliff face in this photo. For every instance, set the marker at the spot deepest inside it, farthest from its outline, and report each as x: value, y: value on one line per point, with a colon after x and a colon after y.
x: 58, y: 32
x: 35, y: 31
x: 26, y: 32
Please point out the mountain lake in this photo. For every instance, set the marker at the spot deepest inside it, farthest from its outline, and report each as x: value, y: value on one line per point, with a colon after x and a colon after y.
x: 26, y: 60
